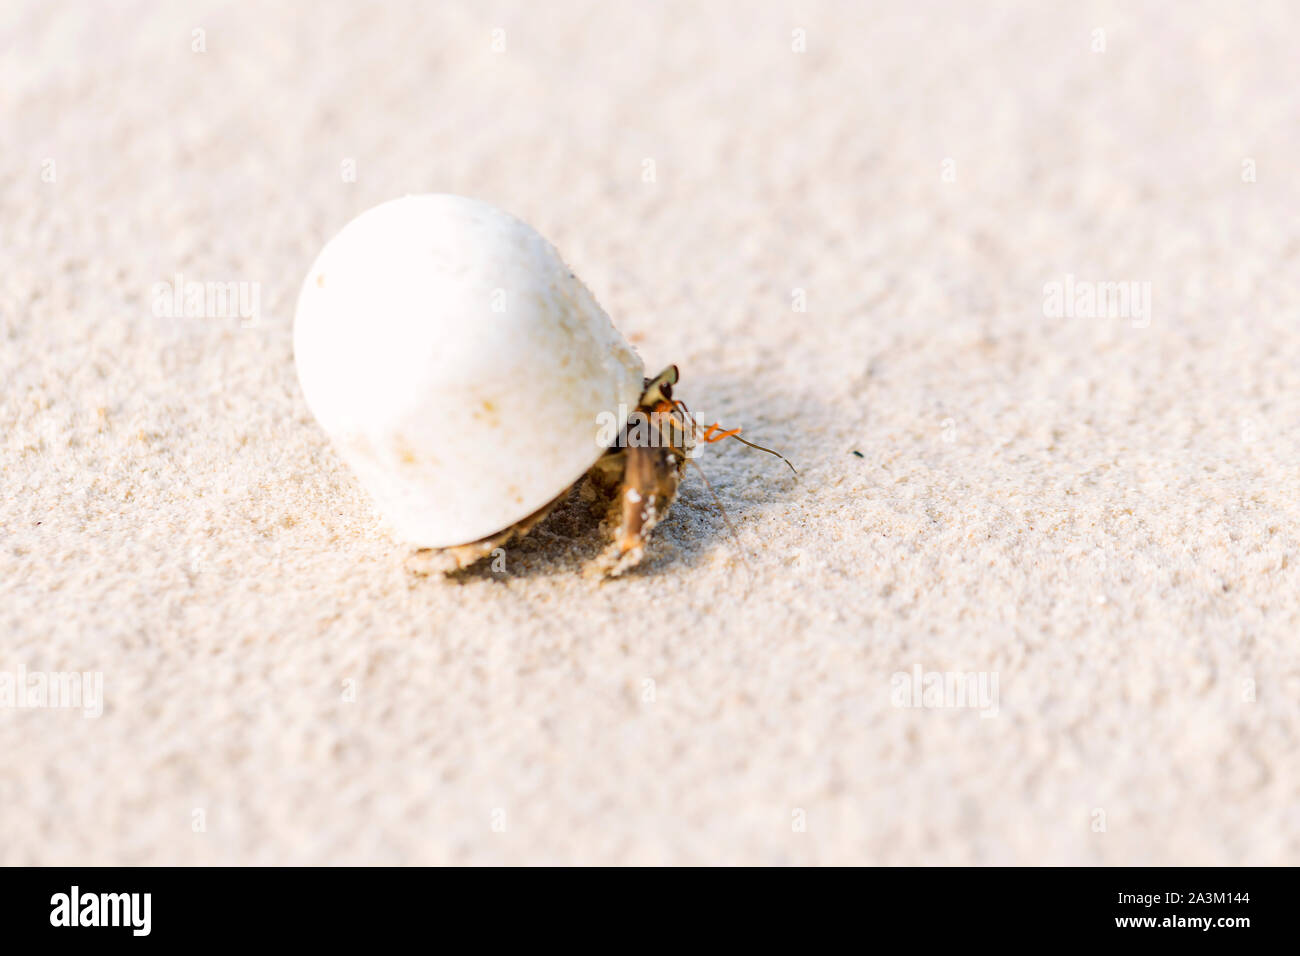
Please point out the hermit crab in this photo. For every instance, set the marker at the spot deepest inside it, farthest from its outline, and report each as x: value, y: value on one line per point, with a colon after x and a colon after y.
x: 471, y: 380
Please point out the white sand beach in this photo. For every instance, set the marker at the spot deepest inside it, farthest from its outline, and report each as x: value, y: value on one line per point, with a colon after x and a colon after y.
x: 887, y: 239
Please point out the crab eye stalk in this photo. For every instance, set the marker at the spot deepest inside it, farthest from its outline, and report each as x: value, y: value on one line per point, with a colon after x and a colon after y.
x: 660, y: 388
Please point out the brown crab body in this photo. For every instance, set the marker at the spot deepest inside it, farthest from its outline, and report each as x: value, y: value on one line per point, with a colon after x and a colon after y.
x: 638, y: 477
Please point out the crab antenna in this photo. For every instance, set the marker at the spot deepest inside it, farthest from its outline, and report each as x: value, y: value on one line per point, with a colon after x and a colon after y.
x: 768, y: 450
x: 695, y: 427
x: 689, y: 417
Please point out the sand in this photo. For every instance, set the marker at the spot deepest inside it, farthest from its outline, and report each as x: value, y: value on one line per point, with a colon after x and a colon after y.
x: 846, y: 237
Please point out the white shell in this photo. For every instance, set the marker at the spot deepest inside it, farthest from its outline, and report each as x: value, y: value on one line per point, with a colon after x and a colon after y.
x: 459, y: 366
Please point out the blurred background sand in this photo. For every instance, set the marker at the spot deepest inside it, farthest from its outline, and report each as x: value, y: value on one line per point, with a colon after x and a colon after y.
x: 1100, y: 513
